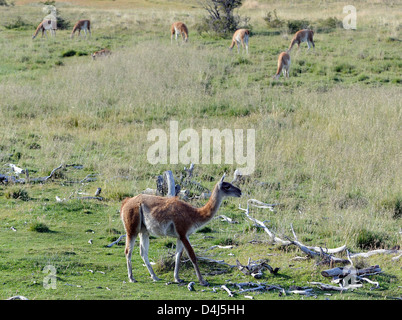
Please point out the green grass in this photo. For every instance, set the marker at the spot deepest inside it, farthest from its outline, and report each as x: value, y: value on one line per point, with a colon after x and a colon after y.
x: 327, y: 146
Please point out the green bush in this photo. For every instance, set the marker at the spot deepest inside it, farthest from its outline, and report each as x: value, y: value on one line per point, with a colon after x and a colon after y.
x: 394, y: 205
x: 272, y: 20
x: 20, y: 194
x: 296, y: 25
x: 18, y: 24
x: 39, y: 227
x: 367, y: 239
x: 327, y: 25
x: 69, y: 53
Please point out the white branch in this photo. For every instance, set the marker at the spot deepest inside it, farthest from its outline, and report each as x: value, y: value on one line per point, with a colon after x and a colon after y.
x: 373, y: 252
x: 117, y: 241
x: 230, y: 293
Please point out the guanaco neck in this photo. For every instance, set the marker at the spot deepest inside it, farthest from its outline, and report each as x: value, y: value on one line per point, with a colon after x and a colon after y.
x: 208, y: 211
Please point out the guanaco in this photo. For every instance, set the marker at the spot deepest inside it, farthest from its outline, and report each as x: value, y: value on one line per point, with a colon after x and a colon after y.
x: 101, y: 53
x: 82, y: 25
x: 241, y: 36
x: 159, y: 216
x: 178, y: 28
x: 300, y: 36
x: 283, y: 65
x: 46, y: 25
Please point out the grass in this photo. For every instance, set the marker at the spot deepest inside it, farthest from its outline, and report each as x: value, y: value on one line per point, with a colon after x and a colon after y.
x: 327, y: 144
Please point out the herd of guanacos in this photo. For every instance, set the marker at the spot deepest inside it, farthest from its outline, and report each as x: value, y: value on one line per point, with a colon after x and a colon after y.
x: 240, y: 37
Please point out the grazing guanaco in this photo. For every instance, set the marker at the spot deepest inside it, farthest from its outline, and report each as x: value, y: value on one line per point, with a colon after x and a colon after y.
x: 82, y: 25
x: 159, y: 216
x: 300, y: 36
x: 101, y: 53
x: 46, y: 24
x: 241, y: 36
x: 178, y: 28
x: 283, y: 65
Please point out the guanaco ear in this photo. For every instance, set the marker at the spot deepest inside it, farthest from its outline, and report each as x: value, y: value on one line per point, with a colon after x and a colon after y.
x: 223, y: 178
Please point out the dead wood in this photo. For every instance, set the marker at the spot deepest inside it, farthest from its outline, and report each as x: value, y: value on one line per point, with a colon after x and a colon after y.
x: 343, y: 272
x: 255, y: 268
x: 373, y: 252
x: 227, y: 219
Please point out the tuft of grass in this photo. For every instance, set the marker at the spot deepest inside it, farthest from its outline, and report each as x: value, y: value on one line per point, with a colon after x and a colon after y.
x: 39, y: 227
x: 18, y: 24
x: 18, y: 193
x: 369, y: 240
x: 69, y: 53
x: 393, y: 205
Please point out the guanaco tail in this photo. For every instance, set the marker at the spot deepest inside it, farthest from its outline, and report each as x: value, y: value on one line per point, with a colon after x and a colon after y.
x: 159, y: 216
x: 101, y: 53
x: 241, y: 36
x: 178, y: 28
x: 283, y: 65
x: 300, y: 36
x: 46, y: 25
x: 84, y: 25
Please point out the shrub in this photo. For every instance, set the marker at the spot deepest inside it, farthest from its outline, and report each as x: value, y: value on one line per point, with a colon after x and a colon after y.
x: 6, y: 3
x: 221, y: 18
x: 272, y: 20
x: 21, y: 194
x: 344, y: 68
x: 39, y: 227
x: 296, y: 25
x: 69, y: 53
x: 18, y: 24
x: 394, y: 205
x: 327, y: 25
x: 367, y: 239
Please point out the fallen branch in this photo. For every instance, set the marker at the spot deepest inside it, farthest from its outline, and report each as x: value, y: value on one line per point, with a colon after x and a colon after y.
x: 220, y: 247
x: 314, y: 252
x: 227, y: 219
x: 324, y: 286
x: 51, y: 173
x: 18, y: 298
x: 117, y: 241
x: 343, y: 272
x: 373, y: 252
x: 255, y: 269
x: 260, y: 204
x: 230, y: 293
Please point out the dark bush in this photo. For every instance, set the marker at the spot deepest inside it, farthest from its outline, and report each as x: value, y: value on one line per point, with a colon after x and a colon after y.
x: 272, y: 20
x: 296, y: 25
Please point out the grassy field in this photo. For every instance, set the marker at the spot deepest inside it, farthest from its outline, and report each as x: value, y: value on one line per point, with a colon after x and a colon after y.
x: 328, y: 144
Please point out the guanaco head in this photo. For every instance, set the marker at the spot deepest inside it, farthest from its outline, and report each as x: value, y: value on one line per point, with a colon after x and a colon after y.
x: 227, y: 189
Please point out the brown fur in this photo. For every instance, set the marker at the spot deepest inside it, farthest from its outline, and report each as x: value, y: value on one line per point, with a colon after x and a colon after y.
x: 181, y: 28
x: 148, y: 214
x: 79, y: 25
x: 242, y: 35
x: 300, y: 36
x: 283, y: 65
x: 101, y: 53
x: 42, y: 28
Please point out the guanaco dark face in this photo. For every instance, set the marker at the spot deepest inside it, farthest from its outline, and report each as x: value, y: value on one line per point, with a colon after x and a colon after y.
x: 229, y: 190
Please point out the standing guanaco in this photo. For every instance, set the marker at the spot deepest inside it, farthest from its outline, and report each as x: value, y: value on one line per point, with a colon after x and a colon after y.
x: 82, y: 25
x: 46, y: 24
x: 178, y: 28
x: 241, y: 36
x: 148, y: 214
x: 300, y: 36
x: 283, y: 65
